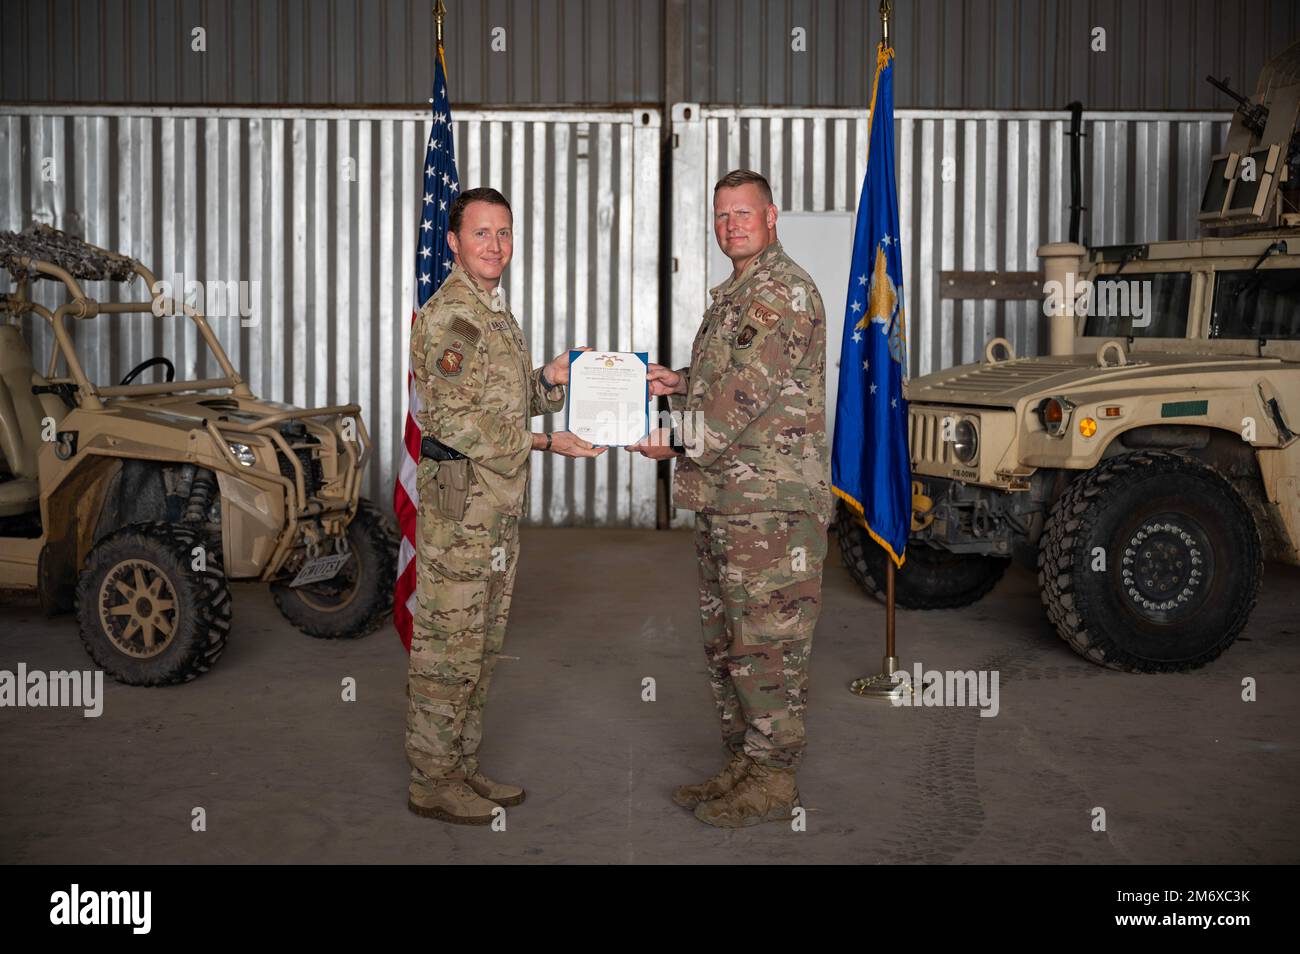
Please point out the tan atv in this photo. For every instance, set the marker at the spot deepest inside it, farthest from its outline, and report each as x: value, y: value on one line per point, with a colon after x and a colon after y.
x: 136, y: 502
x: 1150, y: 464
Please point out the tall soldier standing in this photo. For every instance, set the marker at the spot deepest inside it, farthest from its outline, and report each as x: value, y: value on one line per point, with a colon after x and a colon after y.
x: 754, y: 399
x: 478, y: 390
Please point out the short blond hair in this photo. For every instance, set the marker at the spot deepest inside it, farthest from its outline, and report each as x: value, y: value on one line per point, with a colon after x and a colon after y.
x: 742, y: 177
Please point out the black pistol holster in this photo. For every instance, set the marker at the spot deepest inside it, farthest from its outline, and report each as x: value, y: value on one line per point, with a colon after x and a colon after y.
x: 453, y: 476
x: 435, y: 449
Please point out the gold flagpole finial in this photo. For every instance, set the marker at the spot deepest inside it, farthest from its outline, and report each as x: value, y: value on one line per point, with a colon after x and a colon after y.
x: 439, y: 14
x: 886, y: 10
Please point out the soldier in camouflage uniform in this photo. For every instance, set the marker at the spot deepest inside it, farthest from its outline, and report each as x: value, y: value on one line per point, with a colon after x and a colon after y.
x: 754, y: 467
x: 477, y: 391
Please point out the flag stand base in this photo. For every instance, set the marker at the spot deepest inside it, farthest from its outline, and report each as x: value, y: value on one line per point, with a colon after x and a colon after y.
x: 882, y: 685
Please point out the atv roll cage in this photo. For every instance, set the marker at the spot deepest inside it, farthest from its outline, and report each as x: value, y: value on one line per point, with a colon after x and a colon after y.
x: 41, y: 252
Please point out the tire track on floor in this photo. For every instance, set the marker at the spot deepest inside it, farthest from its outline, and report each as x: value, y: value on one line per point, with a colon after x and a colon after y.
x: 947, y: 816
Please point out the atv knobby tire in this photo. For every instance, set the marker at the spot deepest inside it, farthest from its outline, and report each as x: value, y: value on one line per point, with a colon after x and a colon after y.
x: 148, y: 617
x: 357, y: 602
x: 1182, y: 563
x: 930, y: 578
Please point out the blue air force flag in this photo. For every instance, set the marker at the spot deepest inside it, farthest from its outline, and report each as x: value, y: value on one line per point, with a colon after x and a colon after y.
x: 869, y: 465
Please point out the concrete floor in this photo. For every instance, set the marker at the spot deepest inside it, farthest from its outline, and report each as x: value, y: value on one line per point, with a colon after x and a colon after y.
x: 287, y: 772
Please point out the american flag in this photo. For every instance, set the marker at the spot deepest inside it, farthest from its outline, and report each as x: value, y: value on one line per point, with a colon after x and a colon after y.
x: 432, y: 265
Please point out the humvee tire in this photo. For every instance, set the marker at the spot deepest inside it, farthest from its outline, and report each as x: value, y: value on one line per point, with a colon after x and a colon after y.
x: 139, y: 581
x: 355, y: 602
x: 1172, y: 605
x: 930, y: 578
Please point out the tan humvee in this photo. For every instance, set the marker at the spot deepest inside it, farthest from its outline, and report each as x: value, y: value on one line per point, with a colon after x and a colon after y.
x: 1150, y: 464
x: 136, y: 502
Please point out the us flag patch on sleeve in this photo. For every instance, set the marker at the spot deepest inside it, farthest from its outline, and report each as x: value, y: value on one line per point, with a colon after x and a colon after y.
x: 463, y: 327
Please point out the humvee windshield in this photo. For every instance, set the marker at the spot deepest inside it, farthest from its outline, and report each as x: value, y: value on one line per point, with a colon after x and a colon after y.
x: 1264, y: 303
x: 1164, y: 301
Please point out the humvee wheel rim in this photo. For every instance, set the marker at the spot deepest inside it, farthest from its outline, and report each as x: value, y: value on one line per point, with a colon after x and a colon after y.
x: 1166, y: 567
x: 137, y: 609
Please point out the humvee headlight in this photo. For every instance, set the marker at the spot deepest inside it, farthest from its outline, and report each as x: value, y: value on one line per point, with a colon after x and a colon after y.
x: 243, y: 453
x: 1087, y: 426
x: 965, y: 441
x: 1054, y: 413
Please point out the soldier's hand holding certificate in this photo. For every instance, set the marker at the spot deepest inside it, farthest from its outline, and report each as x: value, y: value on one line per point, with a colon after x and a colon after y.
x: 608, y: 396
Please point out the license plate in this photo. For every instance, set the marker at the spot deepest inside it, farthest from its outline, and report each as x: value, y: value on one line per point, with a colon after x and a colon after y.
x: 321, y: 568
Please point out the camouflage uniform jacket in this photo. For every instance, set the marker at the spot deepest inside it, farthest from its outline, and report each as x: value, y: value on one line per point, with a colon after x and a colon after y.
x: 755, y: 407
x: 477, y: 386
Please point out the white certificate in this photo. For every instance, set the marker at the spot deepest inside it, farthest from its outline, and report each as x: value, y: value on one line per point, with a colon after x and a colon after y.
x: 609, y: 398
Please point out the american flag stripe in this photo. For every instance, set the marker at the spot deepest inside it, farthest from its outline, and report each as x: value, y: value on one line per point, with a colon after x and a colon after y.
x: 432, y: 265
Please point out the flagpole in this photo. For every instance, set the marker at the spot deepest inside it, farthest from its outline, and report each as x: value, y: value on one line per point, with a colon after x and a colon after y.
x: 882, y: 685
x: 406, y: 497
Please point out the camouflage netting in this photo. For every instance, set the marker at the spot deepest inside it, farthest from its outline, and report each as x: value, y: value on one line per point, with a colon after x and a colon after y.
x: 70, y: 253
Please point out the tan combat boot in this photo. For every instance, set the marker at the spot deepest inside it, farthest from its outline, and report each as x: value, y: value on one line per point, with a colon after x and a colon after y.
x: 765, y: 794
x: 688, y: 796
x: 452, y: 800
x: 499, y: 792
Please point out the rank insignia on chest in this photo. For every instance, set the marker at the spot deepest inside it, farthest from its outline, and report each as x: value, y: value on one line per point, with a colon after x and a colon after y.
x: 450, y: 362
x: 746, y: 336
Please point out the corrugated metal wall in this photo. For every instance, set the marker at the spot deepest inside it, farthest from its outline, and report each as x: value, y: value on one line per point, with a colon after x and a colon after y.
x: 984, y: 54
x: 335, y: 53
x: 320, y: 208
x: 952, y: 54
x: 1005, y: 192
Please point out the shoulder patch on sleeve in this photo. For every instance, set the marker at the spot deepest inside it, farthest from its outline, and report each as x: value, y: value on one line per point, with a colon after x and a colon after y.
x: 452, y: 362
x: 453, y: 353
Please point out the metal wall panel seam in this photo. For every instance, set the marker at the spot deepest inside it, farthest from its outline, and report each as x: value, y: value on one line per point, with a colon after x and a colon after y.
x: 342, y: 310
x: 623, y: 339
x: 314, y: 377
x: 271, y: 368
x: 796, y: 201
x: 167, y: 210
x: 924, y: 362
x: 1012, y: 255
x: 532, y: 263
x: 992, y: 222
x: 371, y: 318
x: 970, y: 221
x: 947, y: 218
x: 388, y: 421
x: 605, y: 487
x: 644, y: 255
x: 209, y: 231
x: 560, y: 331
x: 191, y: 230
x: 1030, y: 311
x: 582, y: 276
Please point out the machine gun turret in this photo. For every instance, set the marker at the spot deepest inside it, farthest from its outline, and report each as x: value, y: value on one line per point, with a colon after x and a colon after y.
x: 1254, y: 115
x: 1253, y: 181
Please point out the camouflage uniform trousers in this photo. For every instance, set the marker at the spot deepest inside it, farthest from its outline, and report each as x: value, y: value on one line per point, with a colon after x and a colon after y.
x: 465, y: 579
x: 760, y: 596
